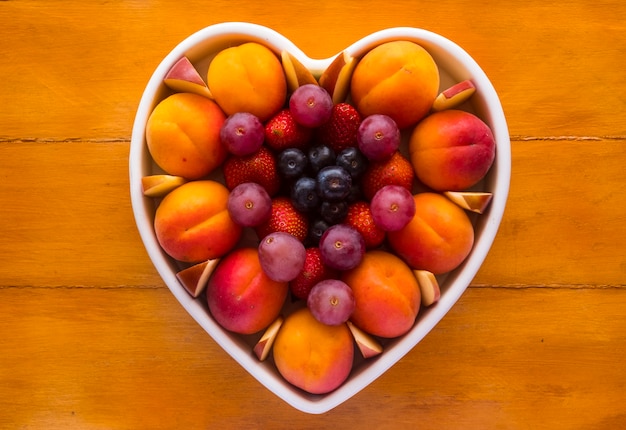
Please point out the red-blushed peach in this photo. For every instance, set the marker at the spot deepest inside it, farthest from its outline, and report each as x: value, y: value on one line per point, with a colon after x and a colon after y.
x: 399, y: 79
x: 183, y: 77
x: 248, y: 78
x: 183, y: 135
x: 311, y: 355
x: 386, y: 293
x: 241, y: 297
x: 451, y: 150
x: 438, y: 238
x: 192, y: 223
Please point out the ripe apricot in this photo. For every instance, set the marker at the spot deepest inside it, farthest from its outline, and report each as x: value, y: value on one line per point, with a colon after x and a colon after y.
x: 248, y: 78
x: 192, y: 223
x: 399, y: 79
x: 386, y: 293
x: 438, y: 238
x: 313, y: 356
x: 183, y: 135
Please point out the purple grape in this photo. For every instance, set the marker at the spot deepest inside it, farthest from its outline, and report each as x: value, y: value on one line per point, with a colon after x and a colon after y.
x: 311, y: 105
x: 331, y: 302
x: 342, y: 247
x: 281, y: 256
x: 242, y: 133
x: 378, y: 137
x: 249, y: 205
x: 393, y: 207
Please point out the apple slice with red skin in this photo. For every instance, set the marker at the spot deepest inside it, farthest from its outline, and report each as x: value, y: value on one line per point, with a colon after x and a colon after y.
x: 264, y: 345
x: 195, y: 278
x: 470, y: 200
x: 454, y: 96
x: 160, y: 185
x: 366, y: 343
x: 429, y: 287
x: 184, y: 77
x: 295, y: 73
x: 337, y: 76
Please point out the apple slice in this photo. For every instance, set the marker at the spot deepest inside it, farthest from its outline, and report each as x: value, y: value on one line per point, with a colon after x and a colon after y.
x: 160, y: 185
x: 470, y: 200
x: 366, y: 343
x: 184, y: 77
x: 336, y: 78
x: 296, y: 74
x: 195, y: 278
x: 264, y: 345
x: 429, y: 287
x: 454, y: 96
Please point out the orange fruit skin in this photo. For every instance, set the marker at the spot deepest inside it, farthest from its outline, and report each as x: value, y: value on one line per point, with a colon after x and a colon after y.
x: 386, y: 293
x: 399, y: 79
x: 248, y: 78
x: 452, y: 150
x: 192, y: 223
x: 183, y: 135
x: 313, y: 356
x: 438, y: 238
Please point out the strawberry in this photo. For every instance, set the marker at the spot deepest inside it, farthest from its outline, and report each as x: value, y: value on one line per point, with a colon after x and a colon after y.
x: 360, y: 217
x: 313, y: 272
x: 340, y: 132
x: 259, y: 167
x: 285, y: 218
x: 282, y: 132
x: 396, y: 170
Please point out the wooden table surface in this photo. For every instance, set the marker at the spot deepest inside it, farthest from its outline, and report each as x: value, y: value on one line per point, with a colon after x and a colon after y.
x: 91, y: 338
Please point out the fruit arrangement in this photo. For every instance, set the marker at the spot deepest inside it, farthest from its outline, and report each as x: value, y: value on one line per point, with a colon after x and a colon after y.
x: 316, y: 213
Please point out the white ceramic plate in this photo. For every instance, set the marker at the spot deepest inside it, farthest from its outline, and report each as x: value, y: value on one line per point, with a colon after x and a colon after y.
x: 455, y: 65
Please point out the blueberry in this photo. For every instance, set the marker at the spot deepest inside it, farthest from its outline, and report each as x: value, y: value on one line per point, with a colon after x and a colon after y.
x: 334, y: 212
x: 320, y: 156
x: 292, y: 163
x: 334, y: 183
x: 304, y: 194
x: 316, y: 230
x: 353, y: 161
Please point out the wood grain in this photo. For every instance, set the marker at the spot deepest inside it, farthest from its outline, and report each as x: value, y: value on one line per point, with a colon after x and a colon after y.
x: 90, y: 358
x: 90, y: 338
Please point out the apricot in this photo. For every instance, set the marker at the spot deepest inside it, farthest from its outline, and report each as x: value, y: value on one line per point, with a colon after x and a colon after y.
x: 386, y: 293
x: 241, y: 297
x: 399, y: 79
x: 438, y: 238
x: 192, y: 223
x: 451, y: 150
x: 311, y: 355
x: 248, y: 78
x: 183, y: 135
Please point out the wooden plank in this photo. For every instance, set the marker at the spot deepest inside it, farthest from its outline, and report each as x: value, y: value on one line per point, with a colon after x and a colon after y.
x: 87, y: 63
x: 560, y: 225
x: 538, y: 358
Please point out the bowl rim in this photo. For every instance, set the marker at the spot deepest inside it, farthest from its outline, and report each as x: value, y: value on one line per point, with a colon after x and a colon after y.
x: 143, y: 207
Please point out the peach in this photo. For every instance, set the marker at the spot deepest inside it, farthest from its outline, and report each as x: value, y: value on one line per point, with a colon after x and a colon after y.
x: 438, y: 238
x: 399, y: 79
x: 192, y: 223
x: 313, y: 356
x: 183, y: 135
x: 183, y: 77
x: 451, y: 150
x: 386, y: 293
x: 241, y: 297
x: 248, y: 78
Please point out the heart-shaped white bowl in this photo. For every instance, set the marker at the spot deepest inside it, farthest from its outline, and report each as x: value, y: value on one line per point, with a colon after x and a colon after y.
x: 455, y: 65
